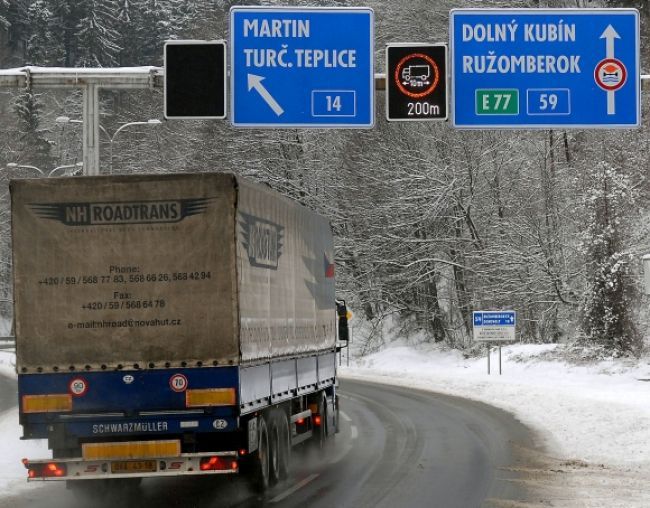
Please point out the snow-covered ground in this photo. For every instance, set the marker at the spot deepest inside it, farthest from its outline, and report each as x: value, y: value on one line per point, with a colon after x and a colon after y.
x: 12, y: 473
x: 592, y: 420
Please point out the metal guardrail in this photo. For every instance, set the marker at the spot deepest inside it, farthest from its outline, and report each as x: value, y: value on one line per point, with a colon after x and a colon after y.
x: 7, y: 343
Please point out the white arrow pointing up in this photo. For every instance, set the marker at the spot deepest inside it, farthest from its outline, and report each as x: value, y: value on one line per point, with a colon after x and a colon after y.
x: 255, y: 81
x: 610, y: 35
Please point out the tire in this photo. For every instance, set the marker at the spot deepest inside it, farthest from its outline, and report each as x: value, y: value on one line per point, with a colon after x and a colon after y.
x: 260, y: 469
x: 284, y: 445
x: 274, y: 449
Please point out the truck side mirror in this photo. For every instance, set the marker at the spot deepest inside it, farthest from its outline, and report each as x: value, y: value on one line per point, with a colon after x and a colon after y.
x: 342, y: 313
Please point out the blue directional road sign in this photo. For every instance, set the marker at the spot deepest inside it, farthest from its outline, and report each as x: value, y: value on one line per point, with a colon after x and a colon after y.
x: 545, y: 68
x: 302, y: 67
x: 494, y: 326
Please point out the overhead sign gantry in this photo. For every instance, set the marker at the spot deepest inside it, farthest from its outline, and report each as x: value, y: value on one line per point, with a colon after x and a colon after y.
x: 545, y: 68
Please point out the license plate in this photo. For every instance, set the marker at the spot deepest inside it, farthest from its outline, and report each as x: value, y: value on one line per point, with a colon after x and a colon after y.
x: 133, y: 466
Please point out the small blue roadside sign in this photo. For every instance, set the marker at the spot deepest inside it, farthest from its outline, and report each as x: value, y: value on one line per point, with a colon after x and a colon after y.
x: 310, y: 67
x: 494, y: 326
x: 545, y: 68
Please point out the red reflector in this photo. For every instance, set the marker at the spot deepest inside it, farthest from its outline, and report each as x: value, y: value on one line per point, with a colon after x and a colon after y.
x: 243, y: 451
x: 317, y: 420
x: 217, y: 464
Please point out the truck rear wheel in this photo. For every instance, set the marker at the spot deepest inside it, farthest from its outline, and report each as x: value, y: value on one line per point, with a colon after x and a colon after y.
x: 284, y: 445
x: 260, y: 470
x: 274, y: 449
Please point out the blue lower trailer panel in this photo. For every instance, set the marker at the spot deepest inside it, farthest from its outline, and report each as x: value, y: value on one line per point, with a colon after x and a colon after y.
x: 158, y: 402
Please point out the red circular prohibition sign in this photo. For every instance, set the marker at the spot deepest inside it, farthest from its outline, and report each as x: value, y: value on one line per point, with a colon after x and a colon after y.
x: 431, y: 87
x: 614, y: 64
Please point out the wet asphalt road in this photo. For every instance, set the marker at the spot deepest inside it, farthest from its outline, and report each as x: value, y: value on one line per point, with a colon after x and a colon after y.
x: 398, y: 447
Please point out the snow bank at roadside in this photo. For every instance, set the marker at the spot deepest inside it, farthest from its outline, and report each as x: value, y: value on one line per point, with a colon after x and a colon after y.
x: 13, y: 476
x: 597, y: 413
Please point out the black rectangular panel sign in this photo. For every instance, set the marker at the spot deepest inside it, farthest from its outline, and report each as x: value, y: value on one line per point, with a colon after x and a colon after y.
x: 416, y: 82
x: 195, y: 79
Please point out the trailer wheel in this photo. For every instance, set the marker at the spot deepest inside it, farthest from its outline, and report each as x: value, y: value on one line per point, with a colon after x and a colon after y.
x: 284, y: 445
x: 274, y: 449
x: 260, y: 473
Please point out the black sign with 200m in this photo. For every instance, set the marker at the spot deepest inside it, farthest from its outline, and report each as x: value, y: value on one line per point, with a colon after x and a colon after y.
x: 416, y: 82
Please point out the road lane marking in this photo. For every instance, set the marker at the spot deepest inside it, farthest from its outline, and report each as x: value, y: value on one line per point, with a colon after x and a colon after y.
x: 354, y: 433
x: 345, y: 416
x: 293, y: 489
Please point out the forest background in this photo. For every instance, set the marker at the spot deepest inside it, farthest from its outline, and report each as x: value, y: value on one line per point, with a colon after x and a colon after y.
x: 430, y: 223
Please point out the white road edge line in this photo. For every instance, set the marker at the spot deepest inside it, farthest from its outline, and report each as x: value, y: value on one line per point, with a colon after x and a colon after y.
x: 293, y: 489
x: 354, y: 432
x: 345, y: 416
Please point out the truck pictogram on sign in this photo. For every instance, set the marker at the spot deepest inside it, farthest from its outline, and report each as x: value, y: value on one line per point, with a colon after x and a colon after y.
x: 417, y: 75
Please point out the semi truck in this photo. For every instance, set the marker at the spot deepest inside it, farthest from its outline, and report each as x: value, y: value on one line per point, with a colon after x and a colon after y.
x: 171, y: 325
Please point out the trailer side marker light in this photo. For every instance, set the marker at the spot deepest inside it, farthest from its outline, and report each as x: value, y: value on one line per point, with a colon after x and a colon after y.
x: 300, y: 421
x: 217, y: 464
x: 131, y: 450
x: 211, y: 397
x: 317, y: 420
x: 51, y: 403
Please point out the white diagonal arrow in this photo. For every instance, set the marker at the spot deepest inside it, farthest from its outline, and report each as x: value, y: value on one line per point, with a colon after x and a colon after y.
x: 610, y: 35
x: 255, y: 81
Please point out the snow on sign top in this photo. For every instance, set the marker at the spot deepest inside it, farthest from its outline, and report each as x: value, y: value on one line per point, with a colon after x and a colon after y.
x: 494, y: 326
x: 310, y: 67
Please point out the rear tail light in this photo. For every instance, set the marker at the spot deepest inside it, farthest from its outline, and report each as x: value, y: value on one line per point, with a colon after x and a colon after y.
x: 48, y: 470
x: 218, y: 464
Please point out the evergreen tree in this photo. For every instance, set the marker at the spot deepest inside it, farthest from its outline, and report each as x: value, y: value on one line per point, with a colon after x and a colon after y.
x: 607, y: 311
x: 36, y: 149
x: 97, y: 37
x: 41, y: 47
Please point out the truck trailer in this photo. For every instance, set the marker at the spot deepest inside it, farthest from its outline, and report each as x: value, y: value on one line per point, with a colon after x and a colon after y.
x: 171, y: 325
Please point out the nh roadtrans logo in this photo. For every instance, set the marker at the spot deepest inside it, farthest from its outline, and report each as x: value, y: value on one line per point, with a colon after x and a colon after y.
x: 262, y: 240
x: 116, y: 213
